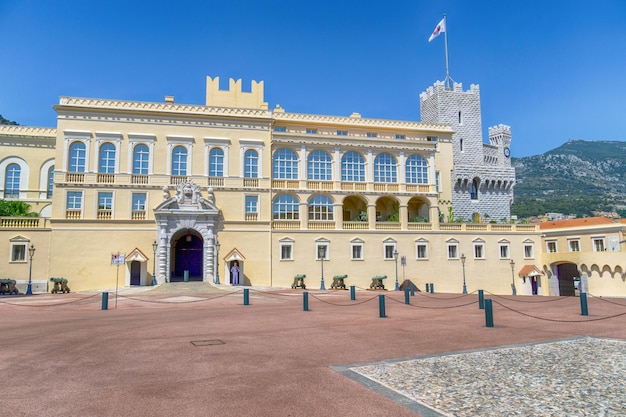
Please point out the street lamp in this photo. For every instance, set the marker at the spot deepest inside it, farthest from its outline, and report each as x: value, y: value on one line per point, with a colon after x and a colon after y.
x: 217, y: 262
x: 395, y: 258
x: 513, y: 277
x: 155, y: 245
x: 463, y: 266
x: 321, y: 254
x: 31, y: 253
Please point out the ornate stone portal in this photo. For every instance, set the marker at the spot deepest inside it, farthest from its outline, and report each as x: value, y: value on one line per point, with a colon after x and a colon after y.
x: 187, y: 212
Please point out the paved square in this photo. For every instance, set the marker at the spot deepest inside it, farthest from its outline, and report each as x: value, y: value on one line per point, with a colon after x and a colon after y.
x: 575, y: 377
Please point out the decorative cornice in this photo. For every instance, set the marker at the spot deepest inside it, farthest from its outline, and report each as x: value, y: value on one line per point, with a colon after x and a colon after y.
x: 28, y: 131
x: 374, y: 143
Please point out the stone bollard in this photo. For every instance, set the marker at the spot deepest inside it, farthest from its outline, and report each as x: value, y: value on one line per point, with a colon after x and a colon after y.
x: 105, y: 300
x: 352, y: 293
x: 481, y: 299
x: 246, y: 296
x: 583, y: 304
x: 305, y: 301
x: 381, y: 306
x: 488, y: 313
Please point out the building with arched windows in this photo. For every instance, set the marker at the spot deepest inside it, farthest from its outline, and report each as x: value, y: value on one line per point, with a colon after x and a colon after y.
x: 188, y: 191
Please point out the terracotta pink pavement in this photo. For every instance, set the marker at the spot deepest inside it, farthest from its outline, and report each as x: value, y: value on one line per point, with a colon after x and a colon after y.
x: 207, y: 354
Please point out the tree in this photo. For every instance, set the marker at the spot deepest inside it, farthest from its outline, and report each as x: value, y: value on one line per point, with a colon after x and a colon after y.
x: 4, y: 121
x: 14, y: 208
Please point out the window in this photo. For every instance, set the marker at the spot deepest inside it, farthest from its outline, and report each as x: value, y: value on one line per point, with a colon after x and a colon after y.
x: 252, y: 204
x: 574, y: 245
x: 422, y: 250
x: 551, y: 246
x: 50, y: 182
x: 529, y: 251
x: 385, y: 168
x: 372, y: 134
x: 286, y: 207
x: 216, y: 163
x: 437, y: 175
x: 286, y: 251
x: 285, y: 164
x: 432, y: 139
x: 18, y: 252
x: 280, y: 129
x: 320, y: 166
x: 311, y: 131
x: 474, y: 190
x: 504, y: 251
x: 461, y: 144
x: 74, y: 200
x: 12, y: 181
x: 322, y: 250
x: 77, y: 157
x: 139, y: 202
x: 356, y: 251
x: 479, y: 251
x: 416, y: 170
x: 460, y: 118
x: 598, y: 244
x: 105, y: 201
x: 320, y: 208
x: 141, y: 157
x: 390, y: 249
x: 353, y: 167
x: 342, y: 133
x: 398, y: 136
x: 453, y: 251
x: 106, y: 163
x: 251, y: 164
x: 179, y: 161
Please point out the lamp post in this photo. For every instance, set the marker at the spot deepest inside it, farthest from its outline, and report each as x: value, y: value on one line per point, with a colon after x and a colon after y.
x: 513, y: 277
x: 31, y: 253
x: 155, y: 246
x: 217, y: 262
x: 463, y: 266
x: 321, y: 253
x: 395, y: 258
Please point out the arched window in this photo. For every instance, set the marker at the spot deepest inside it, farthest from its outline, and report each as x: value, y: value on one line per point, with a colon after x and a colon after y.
x: 285, y: 165
x: 385, y: 168
x: 12, y: 181
x: 320, y: 208
x: 320, y: 166
x: 50, y: 182
x: 179, y: 161
x: 77, y: 157
x: 285, y: 207
x: 416, y: 170
x: 216, y: 162
x: 251, y: 164
x: 352, y: 167
x: 107, y: 159
x: 474, y: 190
x: 141, y: 159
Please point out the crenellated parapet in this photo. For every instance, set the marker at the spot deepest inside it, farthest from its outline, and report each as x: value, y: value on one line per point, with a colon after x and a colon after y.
x: 440, y: 87
x: 234, y: 96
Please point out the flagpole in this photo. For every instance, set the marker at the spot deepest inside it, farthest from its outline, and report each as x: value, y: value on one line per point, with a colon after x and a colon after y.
x: 445, y: 37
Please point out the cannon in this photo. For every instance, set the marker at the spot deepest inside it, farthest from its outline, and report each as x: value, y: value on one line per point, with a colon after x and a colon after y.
x: 60, y: 285
x: 7, y: 286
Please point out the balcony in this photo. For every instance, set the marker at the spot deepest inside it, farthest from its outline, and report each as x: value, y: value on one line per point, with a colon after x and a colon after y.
x: 384, y: 187
x: 319, y: 185
x: 388, y: 225
x: 215, y: 181
x: 22, y: 222
x: 321, y: 224
x: 286, y: 224
x: 105, y: 178
x: 73, y: 214
x: 420, y: 226
x: 355, y: 225
x: 354, y: 186
x: 251, y: 217
x: 251, y: 182
x: 104, y: 215
x: 74, y: 177
x: 289, y: 184
x: 177, y: 179
x: 138, y: 215
x: 139, y: 179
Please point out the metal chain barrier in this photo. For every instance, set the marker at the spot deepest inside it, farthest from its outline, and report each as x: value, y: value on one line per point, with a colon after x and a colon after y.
x: 558, y: 320
x: 435, y: 308
x: 74, y: 301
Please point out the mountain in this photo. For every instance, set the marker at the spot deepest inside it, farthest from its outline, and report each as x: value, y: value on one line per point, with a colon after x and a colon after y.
x: 580, y: 177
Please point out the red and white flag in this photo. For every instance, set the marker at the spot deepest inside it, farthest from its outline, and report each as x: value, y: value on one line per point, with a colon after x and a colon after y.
x: 441, y: 27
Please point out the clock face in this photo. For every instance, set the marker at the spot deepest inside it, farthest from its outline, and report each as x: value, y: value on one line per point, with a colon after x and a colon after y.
x: 507, y: 152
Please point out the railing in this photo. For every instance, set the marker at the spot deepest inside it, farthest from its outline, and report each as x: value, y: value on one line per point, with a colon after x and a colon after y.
x: 74, y: 177
x: 177, y: 179
x: 104, y: 215
x: 138, y: 215
x: 321, y: 224
x: 420, y: 226
x: 105, y: 178
x: 21, y: 222
x: 139, y: 179
x: 251, y: 217
x: 251, y: 182
x: 451, y: 227
x: 354, y: 186
x: 387, y: 225
x: 350, y: 225
x: 386, y: 187
x: 215, y: 181
x: 73, y: 214
x: 418, y: 188
x: 319, y: 185
x: 476, y: 227
x: 286, y: 224
x: 286, y: 184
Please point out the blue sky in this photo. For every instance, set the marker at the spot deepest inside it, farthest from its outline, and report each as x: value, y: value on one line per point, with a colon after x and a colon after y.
x: 552, y: 70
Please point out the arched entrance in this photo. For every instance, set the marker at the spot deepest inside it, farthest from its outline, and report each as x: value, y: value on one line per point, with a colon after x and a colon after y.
x: 566, y: 273
x: 135, y: 273
x: 187, y: 254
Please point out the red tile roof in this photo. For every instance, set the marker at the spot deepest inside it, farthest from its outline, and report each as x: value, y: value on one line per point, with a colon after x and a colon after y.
x: 587, y: 221
x: 528, y: 269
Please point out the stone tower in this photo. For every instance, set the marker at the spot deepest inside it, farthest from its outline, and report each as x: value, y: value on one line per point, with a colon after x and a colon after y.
x: 482, y: 177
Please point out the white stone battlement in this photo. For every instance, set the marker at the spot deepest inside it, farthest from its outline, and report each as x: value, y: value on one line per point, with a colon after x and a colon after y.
x: 500, y: 129
x: 440, y: 86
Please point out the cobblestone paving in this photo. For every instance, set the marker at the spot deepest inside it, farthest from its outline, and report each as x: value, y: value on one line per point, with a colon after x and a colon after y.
x: 576, y: 377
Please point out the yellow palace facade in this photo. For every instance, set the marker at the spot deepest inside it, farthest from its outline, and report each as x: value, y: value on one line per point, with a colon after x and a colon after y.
x: 191, y: 191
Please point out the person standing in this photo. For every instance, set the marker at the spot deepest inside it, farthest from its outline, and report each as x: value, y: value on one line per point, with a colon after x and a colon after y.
x: 234, y: 273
